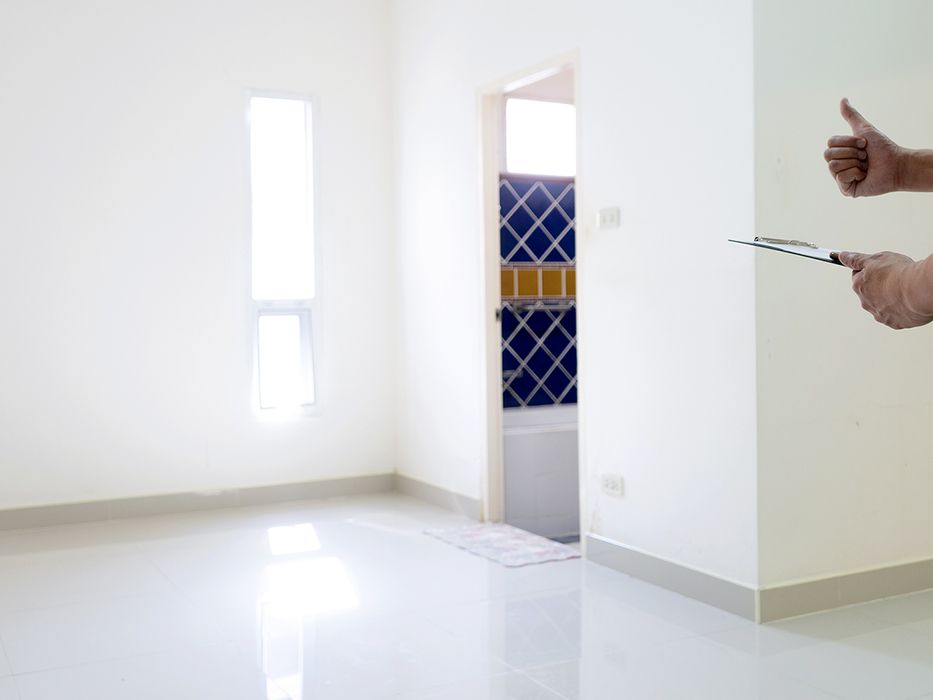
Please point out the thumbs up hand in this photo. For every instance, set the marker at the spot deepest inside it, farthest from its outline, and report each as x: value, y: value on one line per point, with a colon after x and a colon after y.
x: 867, y: 163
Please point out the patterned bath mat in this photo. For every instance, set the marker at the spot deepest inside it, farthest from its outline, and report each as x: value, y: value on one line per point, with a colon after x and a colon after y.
x: 505, y: 544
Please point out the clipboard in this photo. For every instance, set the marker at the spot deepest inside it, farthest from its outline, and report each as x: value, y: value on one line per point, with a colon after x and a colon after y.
x: 801, y: 248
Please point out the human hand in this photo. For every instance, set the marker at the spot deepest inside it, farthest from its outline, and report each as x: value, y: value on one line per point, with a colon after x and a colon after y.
x: 866, y: 163
x: 883, y: 282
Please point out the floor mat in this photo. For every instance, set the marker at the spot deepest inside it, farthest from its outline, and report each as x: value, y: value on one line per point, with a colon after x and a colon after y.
x: 505, y: 544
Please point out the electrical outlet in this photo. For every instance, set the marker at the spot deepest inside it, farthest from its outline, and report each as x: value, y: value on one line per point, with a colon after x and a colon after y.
x: 612, y: 485
x: 608, y: 218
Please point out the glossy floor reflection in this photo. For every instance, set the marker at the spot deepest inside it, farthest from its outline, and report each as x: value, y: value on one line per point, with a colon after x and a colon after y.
x: 348, y: 599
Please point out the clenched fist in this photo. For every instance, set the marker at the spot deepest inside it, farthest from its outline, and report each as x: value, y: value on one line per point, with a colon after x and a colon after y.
x: 866, y: 163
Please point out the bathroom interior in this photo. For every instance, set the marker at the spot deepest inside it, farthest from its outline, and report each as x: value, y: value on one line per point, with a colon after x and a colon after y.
x: 538, y: 306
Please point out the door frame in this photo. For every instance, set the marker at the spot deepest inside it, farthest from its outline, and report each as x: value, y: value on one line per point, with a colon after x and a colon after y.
x: 492, y: 149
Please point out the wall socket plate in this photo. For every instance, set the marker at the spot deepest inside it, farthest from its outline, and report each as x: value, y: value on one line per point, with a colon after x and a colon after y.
x: 612, y: 485
x: 608, y: 218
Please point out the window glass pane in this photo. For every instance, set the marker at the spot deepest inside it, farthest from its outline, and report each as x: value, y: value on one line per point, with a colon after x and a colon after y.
x: 282, y: 221
x: 540, y: 138
x: 285, y: 368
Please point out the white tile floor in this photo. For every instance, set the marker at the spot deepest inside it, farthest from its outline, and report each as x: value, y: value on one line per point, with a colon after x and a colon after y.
x: 356, y: 603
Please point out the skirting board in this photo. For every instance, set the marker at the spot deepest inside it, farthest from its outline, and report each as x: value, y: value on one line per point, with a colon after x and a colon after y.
x: 72, y: 513
x: 846, y: 589
x: 733, y: 597
x: 470, y: 507
x: 767, y: 604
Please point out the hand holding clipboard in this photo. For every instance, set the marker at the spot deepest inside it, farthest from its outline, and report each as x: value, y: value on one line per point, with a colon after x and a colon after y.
x: 883, y: 281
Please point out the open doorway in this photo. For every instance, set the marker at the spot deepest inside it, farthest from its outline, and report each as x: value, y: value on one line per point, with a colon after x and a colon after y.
x: 530, y: 200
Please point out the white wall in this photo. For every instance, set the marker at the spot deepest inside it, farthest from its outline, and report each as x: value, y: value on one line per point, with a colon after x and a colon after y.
x: 123, y: 273
x: 667, y: 306
x: 844, y: 403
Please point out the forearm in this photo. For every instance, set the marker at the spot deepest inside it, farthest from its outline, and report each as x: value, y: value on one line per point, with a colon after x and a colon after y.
x: 915, y: 170
x: 917, y: 288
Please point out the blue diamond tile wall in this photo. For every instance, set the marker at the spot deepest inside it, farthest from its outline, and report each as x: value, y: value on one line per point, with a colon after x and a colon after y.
x: 538, y: 261
x: 536, y: 220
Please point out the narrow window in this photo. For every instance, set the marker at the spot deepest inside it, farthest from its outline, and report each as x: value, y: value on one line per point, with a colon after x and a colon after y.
x: 540, y: 137
x: 285, y: 374
x: 282, y: 256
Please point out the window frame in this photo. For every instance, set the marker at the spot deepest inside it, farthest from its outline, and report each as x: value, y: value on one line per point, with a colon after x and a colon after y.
x: 309, y: 311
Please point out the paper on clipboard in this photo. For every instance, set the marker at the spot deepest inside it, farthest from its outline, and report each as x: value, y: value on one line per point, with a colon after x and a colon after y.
x: 802, y: 248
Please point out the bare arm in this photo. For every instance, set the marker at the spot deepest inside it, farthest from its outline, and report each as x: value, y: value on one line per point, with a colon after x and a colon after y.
x: 916, y: 170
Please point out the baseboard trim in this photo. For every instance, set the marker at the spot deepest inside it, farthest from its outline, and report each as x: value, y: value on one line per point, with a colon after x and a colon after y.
x: 470, y: 507
x: 791, y: 600
x: 75, y: 513
x: 767, y: 604
x: 718, y: 592
x: 142, y: 506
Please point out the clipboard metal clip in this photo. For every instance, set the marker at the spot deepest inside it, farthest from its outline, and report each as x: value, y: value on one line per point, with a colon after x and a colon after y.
x: 782, y: 241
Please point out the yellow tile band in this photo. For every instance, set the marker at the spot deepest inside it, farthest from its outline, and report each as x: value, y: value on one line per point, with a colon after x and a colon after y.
x: 538, y: 281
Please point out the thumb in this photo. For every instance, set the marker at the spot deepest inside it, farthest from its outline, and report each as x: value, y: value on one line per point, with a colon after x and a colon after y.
x: 853, y: 261
x: 853, y: 116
